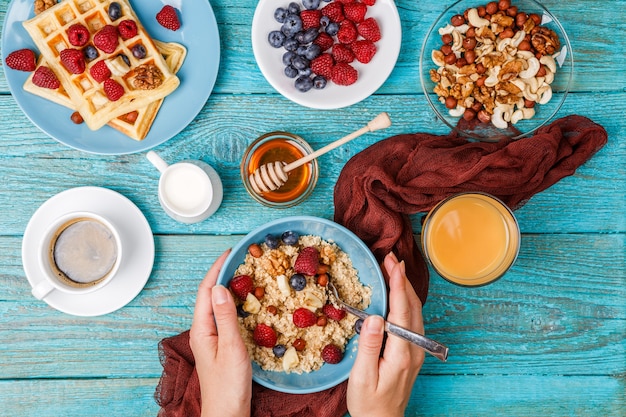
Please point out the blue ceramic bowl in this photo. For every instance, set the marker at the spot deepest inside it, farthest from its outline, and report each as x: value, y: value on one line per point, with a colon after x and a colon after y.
x: 369, y: 274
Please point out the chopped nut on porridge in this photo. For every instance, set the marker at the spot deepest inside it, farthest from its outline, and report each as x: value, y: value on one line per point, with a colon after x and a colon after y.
x: 284, y: 316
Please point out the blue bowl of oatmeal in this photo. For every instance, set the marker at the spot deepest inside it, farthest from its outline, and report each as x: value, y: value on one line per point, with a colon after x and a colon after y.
x: 354, y: 270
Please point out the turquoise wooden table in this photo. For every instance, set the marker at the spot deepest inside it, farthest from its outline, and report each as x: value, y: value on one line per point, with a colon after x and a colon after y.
x: 547, y: 339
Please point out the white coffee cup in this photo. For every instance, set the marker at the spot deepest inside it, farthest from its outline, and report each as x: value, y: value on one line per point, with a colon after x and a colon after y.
x: 80, y: 252
x: 189, y: 191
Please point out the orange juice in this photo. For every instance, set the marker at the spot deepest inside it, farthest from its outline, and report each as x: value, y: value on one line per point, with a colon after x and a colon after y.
x: 471, y: 239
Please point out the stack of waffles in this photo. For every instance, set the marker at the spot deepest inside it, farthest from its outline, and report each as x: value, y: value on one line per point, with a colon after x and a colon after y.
x: 86, y: 95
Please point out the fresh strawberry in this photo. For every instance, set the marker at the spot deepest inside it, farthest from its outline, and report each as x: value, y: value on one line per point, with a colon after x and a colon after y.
x: 364, y: 50
x: 78, y: 34
x: 332, y: 354
x: 44, y: 77
x: 73, y: 60
x: 264, y: 335
x: 106, y: 39
x: 334, y: 11
x: 168, y: 18
x: 127, y: 29
x: 355, y: 12
x: 344, y: 74
x: 21, y: 60
x: 324, y: 41
x: 307, y: 261
x: 347, y: 32
x: 369, y: 2
x: 303, y: 317
x: 310, y: 19
x: 369, y: 29
x: 323, y: 65
x: 342, y: 53
x: 333, y: 312
x: 113, y: 89
x: 241, y: 285
x: 100, y: 71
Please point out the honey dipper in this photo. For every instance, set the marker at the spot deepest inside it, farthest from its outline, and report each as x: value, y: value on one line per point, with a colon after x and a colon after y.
x: 273, y: 175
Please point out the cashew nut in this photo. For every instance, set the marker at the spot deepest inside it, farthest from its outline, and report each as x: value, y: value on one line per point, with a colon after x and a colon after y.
x: 497, y: 120
x: 517, y: 116
x: 457, y: 111
x: 549, y: 78
x: 457, y: 40
x: 549, y: 62
x: 475, y: 20
x: 438, y: 57
x: 503, y: 43
x: 447, y: 29
x: 492, y: 80
x: 525, y: 55
x: 533, y: 68
x: 546, y: 96
x: 518, y: 38
x: 528, y: 112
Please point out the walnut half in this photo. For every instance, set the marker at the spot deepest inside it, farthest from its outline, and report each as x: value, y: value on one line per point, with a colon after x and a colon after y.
x: 147, y: 77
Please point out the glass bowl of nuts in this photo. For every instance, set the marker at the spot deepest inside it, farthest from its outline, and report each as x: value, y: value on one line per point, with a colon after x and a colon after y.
x: 496, y: 70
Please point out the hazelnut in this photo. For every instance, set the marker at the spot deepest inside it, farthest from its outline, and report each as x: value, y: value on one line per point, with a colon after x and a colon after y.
x: 491, y: 7
x: 504, y: 4
x: 469, y: 114
x: 451, y: 102
x: 529, y: 104
x: 477, y: 106
x: 483, y: 116
x: 322, y: 280
x: 481, y: 81
x: 259, y: 292
x: 450, y: 59
x: 480, y: 68
x: 131, y: 117
x: 520, y: 19
x: 469, y: 43
x: 507, y: 33
x: 461, y: 62
x: 524, y: 45
x: 255, y: 250
x: 512, y: 11
x: 76, y: 118
x: 446, y: 49
x: 542, y: 71
x: 470, y: 56
x: 446, y: 39
x: 481, y: 11
x: 536, y: 18
x: 322, y: 269
x: 471, y: 32
x: 321, y: 321
x: 299, y: 344
x: 272, y: 310
x: 457, y: 20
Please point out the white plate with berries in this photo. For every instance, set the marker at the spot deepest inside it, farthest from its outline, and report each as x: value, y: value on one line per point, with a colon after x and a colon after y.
x: 326, y: 54
x: 198, y: 33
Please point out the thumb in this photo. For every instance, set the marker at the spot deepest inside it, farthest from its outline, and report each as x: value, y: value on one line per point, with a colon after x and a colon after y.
x: 225, y: 314
x: 368, y: 354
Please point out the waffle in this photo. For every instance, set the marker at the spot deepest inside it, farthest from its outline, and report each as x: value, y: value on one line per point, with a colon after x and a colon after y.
x: 174, y: 55
x: 48, y: 31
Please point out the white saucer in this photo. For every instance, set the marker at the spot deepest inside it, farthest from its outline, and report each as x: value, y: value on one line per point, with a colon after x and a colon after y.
x: 135, y: 234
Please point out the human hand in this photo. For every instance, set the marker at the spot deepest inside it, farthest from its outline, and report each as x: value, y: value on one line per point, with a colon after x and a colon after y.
x: 222, y: 361
x: 381, y: 386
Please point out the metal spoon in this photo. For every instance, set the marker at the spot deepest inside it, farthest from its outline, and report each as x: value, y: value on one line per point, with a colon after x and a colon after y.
x: 434, y: 348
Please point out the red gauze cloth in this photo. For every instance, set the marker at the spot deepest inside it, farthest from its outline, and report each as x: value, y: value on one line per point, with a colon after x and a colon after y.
x: 376, y: 191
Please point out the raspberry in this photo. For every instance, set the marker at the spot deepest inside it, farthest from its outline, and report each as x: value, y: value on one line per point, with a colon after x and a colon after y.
x: 344, y: 74
x: 303, y: 317
x: 113, y: 89
x: 264, y: 335
x: 168, y: 18
x: 332, y: 354
x: 364, y: 50
x: 369, y: 29
x: 334, y: 11
x: 21, y: 60
x: 78, y: 34
x: 307, y: 261
x: 343, y: 53
x: 73, y: 60
x: 324, y: 41
x: 355, y: 11
x: 323, y: 65
x: 310, y: 19
x: 333, y: 312
x: 100, y: 71
x: 241, y: 285
x: 44, y: 77
x: 347, y: 32
x: 127, y: 29
x: 106, y: 39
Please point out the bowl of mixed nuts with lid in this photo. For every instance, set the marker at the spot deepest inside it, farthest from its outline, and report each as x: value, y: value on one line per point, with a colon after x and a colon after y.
x: 496, y: 69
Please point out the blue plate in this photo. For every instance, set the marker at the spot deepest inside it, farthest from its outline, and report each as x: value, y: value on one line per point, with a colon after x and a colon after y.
x: 369, y: 274
x: 199, y: 34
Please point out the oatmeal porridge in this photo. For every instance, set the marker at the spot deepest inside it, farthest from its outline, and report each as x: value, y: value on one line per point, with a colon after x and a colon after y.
x: 285, y: 317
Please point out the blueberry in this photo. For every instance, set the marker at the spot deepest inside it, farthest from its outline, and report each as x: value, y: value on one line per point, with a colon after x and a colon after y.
x: 139, y: 51
x: 290, y: 238
x: 280, y: 14
x: 288, y: 57
x: 297, y: 282
x: 357, y: 326
x: 293, y: 8
x: 319, y: 82
x: 299, y: 37
x: 271, y: 241
x: 292, y: 25
x: 90, y: 52
x: 312, y: 51
x: 301, y: 50
x: 290, y: 44
x: 115, y: 11
x: 125, y: 59
x: 279, y: 350
x: 303, y: 84
x: 324, y: 21
x: 300, y: 62
x: 291, y: 72
x: 241, y: 312
x: 332, y: 28
x: 310, y: 34
x: 276, y: 38
x: 311, y: 4
x: 305, y: 72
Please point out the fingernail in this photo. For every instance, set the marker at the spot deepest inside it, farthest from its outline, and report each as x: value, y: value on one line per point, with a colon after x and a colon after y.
x: 403, y: 268
x: 219, y: 294
x: 374, y: 325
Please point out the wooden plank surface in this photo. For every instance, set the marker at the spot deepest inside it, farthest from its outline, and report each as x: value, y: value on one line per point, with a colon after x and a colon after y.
x: 549, y: 338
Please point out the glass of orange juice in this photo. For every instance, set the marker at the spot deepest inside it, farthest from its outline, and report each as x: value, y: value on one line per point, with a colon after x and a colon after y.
x: 471, y: 239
